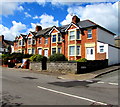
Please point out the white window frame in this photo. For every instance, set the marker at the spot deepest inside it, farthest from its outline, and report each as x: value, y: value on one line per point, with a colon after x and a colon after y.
x: 103, y: 47
x: 89, y: 33
x: 55, y: 50
x: 60, y: 49
x: 40, y: 40
x: 29, y: 41
x: 78, y: 51
x: 33, y: 39
x: 33, y: 52
x: 20, y: 42
x: 46, y: 40
x: 59, y: 36
x: 55, y: 37
x: 41, y: 51
x: 29, y: 50
x: 77, y: 34
x: 70, y: 34
x: 70, y: 51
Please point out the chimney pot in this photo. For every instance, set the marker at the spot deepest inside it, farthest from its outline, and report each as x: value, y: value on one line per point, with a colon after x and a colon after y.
x: 38, y: 28
x: 75, y: 19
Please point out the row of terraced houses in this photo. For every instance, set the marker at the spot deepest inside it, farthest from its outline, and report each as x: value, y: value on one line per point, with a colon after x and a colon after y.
x: 79, y: 39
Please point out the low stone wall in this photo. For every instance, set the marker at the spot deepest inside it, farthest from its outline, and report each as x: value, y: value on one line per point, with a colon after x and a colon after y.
x: 62, y: 67
x: 35, y: 66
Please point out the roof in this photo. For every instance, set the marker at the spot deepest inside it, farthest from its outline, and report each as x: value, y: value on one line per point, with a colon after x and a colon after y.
x: 117, y: 38
x: 86, y: 23
x: 44, y: 31
x: 82, y: 24
x: 7, y: 43
x: 33, y: 33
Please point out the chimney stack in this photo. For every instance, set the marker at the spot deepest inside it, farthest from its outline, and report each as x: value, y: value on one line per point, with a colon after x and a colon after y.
x: 1, y: 37
x: 38, y: 28
x: 75, y: 19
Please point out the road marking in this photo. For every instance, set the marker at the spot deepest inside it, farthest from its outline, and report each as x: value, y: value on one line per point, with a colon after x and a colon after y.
x: 108, y: 83
x: 88, y: 80
x: 71, y: 95
x: 101, y: 82
x: 113, y: 83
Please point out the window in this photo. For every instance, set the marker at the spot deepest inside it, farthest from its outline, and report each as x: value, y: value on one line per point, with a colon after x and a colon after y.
x: 20, y: 42
x: 33, y: 51
x: 59, y: 37
x: 53, y: 38
x: 6, y: 50
x: 40, y: 40
x: 29, y: 41
x: 23, y: 42
x: 53, y: 51
x: 46, y: 40
x: 91, y: 51
x: 78, y: 50
x: 72, y: 50
x: 33, y: 41
x: 78, y: 34
x: 59, y: 50
x: 23, y: 51
x: 72, y: 35
x: 89, y: 33
x: 101, y: 48
x: 29, y: 51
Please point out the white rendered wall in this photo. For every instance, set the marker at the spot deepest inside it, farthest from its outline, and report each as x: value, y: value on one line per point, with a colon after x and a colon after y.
x: 12, y: 49
x: 113, y: 55
x: 105, y: 37
x: 105, y: 48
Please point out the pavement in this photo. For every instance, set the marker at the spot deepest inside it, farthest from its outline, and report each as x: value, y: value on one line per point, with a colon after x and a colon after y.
x: 90, y: 75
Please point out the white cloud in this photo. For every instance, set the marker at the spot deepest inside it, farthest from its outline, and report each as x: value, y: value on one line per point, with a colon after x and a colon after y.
x: 33, y: 25
x: 36, y: 17
x: 14, y: 31
x: 67, y: 20
x: 103, y: 14
x: 9, y: 8
x: 27, y: 14
x: 47, y: 21
x: 20, y: 8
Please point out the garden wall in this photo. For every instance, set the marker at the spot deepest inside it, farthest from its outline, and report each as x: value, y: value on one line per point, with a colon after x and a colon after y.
x: 62, y: 67
x: 70, y: 67
x: 35, y: 66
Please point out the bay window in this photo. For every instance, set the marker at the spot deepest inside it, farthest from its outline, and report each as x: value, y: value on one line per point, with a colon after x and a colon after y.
x: 72, y: 35
x: 53, y: 38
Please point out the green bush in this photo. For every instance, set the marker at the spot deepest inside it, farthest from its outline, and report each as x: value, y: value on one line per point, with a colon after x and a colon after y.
x: 37, y: 58
x: 57, y: 57
x: 17, y: 56
x: 33, y: 58
x: 82, y: 60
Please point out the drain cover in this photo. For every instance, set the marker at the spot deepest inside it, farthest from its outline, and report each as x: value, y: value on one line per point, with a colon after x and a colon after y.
x: 29, y: 77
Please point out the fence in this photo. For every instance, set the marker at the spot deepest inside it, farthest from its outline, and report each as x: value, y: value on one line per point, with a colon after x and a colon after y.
x: 89, y: 66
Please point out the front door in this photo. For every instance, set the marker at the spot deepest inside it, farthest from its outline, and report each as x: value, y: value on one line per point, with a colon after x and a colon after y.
x: 90, y: 53
x: 40, y: 51
x: 46, y: 52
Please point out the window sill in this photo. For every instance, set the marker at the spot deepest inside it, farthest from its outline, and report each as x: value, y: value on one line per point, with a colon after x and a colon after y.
x: 78, y: 39
x: 89, y: 38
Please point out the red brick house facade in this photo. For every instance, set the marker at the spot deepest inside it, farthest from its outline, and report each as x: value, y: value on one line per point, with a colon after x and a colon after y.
x: 79, y: 39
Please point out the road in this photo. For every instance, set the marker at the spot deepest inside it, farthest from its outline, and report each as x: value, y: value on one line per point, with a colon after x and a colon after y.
x: 27, y: 88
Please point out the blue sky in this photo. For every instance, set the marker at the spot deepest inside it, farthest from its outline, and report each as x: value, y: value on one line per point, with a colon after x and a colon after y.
x: 22, y: 17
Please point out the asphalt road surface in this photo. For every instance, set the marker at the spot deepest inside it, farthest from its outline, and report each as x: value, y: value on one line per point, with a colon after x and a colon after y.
x: 26, y: 88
